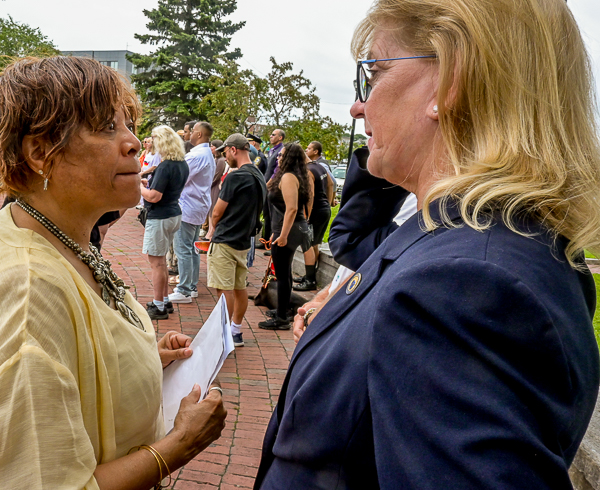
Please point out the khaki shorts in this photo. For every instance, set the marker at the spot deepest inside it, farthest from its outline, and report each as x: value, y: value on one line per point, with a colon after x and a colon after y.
x: 158, y: 235
x: 227, y: 269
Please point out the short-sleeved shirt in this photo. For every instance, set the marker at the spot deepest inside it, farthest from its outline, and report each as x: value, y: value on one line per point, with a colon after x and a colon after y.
x: 320, y: 201
x: 151, y: 160
x: 244, y: 197
x: 169, y: 179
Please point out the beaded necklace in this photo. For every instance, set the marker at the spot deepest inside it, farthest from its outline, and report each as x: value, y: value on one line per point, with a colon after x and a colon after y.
x: 112, y: 287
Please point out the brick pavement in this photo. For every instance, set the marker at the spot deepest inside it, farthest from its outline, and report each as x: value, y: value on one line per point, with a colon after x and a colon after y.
x: 251, y: 377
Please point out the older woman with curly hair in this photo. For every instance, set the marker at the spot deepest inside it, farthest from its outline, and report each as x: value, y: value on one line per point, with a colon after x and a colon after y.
x: 80, y: 371
x: 461, y: 355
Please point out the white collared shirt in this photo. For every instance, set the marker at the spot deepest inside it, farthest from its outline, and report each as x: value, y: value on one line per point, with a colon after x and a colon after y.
x: 195, y: 198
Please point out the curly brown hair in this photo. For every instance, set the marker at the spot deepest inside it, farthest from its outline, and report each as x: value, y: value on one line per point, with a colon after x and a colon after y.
x: 52, y: 98
x: 294, y: 161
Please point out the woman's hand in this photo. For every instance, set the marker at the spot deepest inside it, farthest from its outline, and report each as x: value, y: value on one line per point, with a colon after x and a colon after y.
x: 197, y: 425
x: 280, y: 242
x: 174, y: 346
x: 299, y: 327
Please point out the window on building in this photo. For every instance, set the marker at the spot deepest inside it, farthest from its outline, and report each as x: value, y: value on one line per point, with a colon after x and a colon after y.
x: 113, y: 64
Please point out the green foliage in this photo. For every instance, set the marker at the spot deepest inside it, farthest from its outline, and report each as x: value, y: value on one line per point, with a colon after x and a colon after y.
x: 322, y: 129
x: 288, y: 95
x: 334, y: 212
x: 18, y: 40
x: 234, y: 97
x: 191, y: 36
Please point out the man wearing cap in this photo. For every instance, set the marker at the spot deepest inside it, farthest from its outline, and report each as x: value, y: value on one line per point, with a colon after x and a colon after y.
x: 261, y: 160
x: 195, y: 203
x: 236, y: 216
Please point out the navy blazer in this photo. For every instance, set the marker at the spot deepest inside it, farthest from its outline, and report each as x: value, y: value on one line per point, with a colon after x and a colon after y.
x: 366, y: 214
x: 272, y: 164
x: 455, y: 359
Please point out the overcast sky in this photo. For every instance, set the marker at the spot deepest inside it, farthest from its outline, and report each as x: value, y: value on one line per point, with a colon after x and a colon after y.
x: 313, y: 34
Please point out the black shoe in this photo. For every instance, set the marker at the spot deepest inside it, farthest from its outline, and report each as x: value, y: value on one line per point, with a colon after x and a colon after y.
x: 168, y: 306
x: 275, y: 324
x: 305, y: 286
x: 273, y: 314
x: 173, y: 272
x: 267, y: 253
x: 298, y: 279
x: 155, y: 314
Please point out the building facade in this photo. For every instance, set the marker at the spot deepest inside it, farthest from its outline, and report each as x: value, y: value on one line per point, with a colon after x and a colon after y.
x: 114, y: 59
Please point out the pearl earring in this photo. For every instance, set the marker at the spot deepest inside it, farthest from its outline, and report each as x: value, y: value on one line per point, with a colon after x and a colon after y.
x: 435, y: 109
x: 41, y: 172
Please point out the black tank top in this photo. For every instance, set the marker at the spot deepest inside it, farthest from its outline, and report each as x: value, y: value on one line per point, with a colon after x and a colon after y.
x: 320, y: 201
x: 275, y: 200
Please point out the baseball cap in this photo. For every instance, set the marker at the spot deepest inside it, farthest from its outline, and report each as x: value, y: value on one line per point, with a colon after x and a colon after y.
x: 237, y: 140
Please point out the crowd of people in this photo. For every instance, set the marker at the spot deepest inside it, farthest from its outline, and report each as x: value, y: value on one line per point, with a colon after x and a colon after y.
x: 195, y: 190
x: 459, y: 351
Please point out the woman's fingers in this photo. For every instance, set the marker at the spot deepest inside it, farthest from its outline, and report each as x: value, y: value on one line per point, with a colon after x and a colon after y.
x: 193, y: 397
x: 298, y: 327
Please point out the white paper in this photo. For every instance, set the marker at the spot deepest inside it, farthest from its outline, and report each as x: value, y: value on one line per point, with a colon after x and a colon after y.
x: 212, y: 345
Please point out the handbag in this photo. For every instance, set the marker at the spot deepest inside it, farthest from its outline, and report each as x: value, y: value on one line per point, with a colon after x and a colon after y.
x: 263, y: 298
x: 142, y: 216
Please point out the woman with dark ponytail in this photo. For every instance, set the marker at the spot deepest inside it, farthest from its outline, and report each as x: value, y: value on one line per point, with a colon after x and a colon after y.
x: 289, y: 198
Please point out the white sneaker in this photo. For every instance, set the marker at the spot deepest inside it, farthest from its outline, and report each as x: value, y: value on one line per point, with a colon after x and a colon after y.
x: 177, y: 297
x: 203, y: 232
x: 193, y: 294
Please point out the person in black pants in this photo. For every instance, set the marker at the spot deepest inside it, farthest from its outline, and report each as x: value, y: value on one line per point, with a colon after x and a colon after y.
x: 288, y: 197
x: 320, y: 214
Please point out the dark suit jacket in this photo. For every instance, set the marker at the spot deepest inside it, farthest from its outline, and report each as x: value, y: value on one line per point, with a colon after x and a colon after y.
x: 462, y: 360
x: 272, y: 163
x: 367, y: 209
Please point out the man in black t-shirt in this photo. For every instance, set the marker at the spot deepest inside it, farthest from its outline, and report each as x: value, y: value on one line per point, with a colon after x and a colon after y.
x: 235, y: 217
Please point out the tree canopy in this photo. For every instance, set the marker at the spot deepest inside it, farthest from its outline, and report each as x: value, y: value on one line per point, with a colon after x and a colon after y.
x: 18, y: 40
x: 190, y: 36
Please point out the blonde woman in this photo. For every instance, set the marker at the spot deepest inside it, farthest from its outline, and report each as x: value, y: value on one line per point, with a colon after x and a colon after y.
x: 461, y: 355
x: 161, y: 197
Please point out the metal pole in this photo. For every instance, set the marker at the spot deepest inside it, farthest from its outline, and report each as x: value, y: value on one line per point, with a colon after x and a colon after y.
x: 351, y: 140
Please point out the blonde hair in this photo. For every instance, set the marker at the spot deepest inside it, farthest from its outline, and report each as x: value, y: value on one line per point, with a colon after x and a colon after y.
x: 516, y: 107
x: 168, y: 143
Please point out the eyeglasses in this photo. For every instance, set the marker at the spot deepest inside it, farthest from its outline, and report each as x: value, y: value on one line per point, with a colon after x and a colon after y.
x: 362, y: 85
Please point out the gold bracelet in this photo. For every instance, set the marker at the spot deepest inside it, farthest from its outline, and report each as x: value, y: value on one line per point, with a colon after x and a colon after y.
x: 156, y: 453
x: 158, y: 486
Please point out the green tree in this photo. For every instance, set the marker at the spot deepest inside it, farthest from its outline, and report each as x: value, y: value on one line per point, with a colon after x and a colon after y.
x: 290, y: 95
x: 235, y: 99
x: 190, y: 36
x: 322, y: 129
x: 18, y: 40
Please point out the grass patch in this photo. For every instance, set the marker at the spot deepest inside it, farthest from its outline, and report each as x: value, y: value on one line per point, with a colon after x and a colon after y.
x: 334, y: 212
x: 597, y: 314
x: 589, y: 255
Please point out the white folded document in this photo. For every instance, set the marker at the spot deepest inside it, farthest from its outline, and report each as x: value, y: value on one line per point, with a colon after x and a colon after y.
x: 211, y: 346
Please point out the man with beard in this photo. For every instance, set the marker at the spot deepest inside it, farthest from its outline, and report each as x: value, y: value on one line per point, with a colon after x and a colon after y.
x: 236, y: 216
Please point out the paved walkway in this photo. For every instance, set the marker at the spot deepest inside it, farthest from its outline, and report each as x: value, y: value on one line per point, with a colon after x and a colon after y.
x: 251, y: 377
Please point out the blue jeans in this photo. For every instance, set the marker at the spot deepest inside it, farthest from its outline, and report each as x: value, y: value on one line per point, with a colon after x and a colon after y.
x: 187, y: 259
